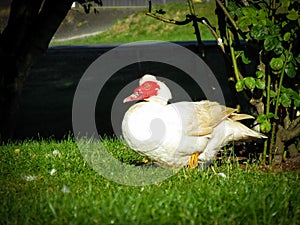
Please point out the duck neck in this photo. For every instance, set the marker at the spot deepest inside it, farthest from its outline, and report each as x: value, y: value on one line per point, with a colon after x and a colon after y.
x: 158, y: 99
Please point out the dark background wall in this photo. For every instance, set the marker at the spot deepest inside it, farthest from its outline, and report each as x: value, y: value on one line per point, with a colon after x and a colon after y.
x: 46, y: 108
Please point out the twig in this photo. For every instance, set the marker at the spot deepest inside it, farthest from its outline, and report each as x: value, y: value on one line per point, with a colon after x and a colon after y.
x: 172, y: 21
x: 281, y: 80
x: 290, y: 133
x: 236, y: 70
x: 228, y: 15
x: 294, y: 123
x: 219, y: 40
x: 233, y: 23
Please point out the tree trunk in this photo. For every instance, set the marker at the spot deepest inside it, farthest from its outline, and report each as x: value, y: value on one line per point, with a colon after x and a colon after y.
x: 29, y: 30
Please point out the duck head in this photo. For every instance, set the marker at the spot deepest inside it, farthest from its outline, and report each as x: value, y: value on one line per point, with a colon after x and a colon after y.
x: 150, y: 89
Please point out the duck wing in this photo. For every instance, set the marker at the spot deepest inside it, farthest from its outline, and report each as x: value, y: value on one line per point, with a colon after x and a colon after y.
x: 200, y: 118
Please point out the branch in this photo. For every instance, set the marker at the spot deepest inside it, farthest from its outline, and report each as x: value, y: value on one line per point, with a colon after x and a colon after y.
x: 204, y: 21
x: 233, y: 23
x: 228, y: 15
x: 189, y: 19
x: 184, y: 22
x: 294, y: 123
x: 291, y: 132
x: 237, y: 72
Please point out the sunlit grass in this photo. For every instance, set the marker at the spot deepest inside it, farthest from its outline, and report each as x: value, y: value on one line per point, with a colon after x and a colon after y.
x: 31, y: 192
x: 139, y: 27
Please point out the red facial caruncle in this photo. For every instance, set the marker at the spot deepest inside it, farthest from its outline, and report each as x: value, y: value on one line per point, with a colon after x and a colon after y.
x: 144, y: 91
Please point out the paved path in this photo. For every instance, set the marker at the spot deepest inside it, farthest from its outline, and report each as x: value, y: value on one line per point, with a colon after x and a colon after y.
x: 78, y: 24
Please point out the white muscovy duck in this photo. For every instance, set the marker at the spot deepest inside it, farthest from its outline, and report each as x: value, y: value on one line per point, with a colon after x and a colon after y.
x: 182, y: 133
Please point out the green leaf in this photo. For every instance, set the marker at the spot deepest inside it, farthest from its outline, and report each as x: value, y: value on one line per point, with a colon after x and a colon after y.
x: 260, y: 74
x: 249, y: 82
x: 265, y: 93
x: 290, y: 55
x: 261, y: 118
x: 298, y: 58
x: 287, y: 36
x: 260, y: 84
x: 285, y: 100
x: 259, y: 32
x: 276, y: 64
x: 290, y: 93
x: 295, y: 95
x: 243, y: 23
x: 293, y: 15
x: 270, y: 115
x: 282, y: 56
x: 278, y: 49
x: 245, y: 11
x: 245, y: 60
x: 274, y: 29
x: 249, y: 11
x: 239, y: 86
x: 272, y: 94
x: 297, y: 102
x: 265, y: 126
x: 285, y: 3
x: 284, y: 23
x: 290, y: 70
x: 262, y: 14
x: 270, y: 43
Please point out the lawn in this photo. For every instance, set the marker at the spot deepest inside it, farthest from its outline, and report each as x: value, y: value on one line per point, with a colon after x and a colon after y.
x: 49, y: 182
x: 139, y: 27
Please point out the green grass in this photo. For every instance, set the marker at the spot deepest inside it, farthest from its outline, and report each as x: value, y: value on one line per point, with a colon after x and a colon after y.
x: 139, y: 27
x: 76, y: 194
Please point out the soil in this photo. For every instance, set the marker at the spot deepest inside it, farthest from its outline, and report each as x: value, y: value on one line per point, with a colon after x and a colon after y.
x: 289, y: 164
x: 249, y: 153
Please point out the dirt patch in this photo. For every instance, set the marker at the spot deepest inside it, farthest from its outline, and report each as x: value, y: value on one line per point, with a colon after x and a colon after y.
x: 251, y: 153
x: 289, y: 164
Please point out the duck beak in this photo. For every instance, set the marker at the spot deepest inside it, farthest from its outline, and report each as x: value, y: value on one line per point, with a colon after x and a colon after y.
x: 134, y: 97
